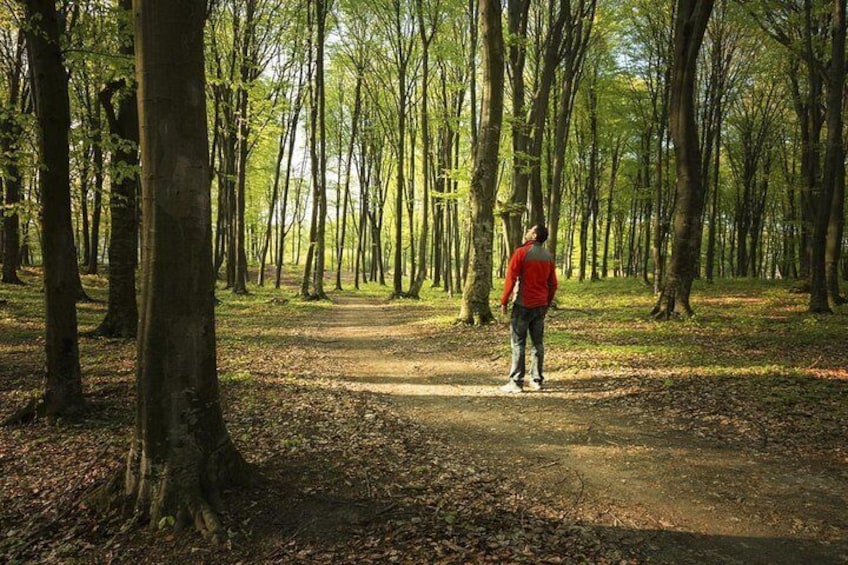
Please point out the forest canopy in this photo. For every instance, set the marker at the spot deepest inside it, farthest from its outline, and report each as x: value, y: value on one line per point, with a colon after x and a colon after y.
x: 342, y: 137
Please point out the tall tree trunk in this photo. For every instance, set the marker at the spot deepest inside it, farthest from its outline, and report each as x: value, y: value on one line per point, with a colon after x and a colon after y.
x: 825, y: 246
x: 63, y: 382
x: 94, y: 249
x: 402, y: 62
x: 616, y: 154
x: 122, y: 311
x: 181, y: 454
x: 246, y: 64
x: 426, y: 39
x: 292, y: 126
x: 354, y: 123
x: 591, y: 210
x: 272, y: 205
x: 321, y: 13
x: 11, y: 133
x: 475, y: 296
x: 689, y: 26
x: 121, y: 318
x: 513, y: 210
x: 578, y: 34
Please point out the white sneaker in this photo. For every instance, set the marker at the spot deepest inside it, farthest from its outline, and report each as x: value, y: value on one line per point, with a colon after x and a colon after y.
x: 535, y: 385
x: 511, y: 387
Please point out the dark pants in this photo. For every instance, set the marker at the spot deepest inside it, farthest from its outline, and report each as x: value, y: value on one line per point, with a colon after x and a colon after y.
x: 524, y: 320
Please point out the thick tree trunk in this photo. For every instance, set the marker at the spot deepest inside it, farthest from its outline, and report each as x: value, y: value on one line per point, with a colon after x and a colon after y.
x: 63, y: 383
x: 689, y: 27
x: 475, y: 296
x: 181, y: 454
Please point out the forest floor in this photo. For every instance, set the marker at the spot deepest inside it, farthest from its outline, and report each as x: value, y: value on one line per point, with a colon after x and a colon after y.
x: 380, y: 435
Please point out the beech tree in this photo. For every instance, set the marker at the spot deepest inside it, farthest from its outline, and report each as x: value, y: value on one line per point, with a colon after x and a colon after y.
x: 475, y: 296
x: 181, y: 453
x: 690, y: 24
x: 63, y: 381
x: 13, y: 77
x: 119, y: 102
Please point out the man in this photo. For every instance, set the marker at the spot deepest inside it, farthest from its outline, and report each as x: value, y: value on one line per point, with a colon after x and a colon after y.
x: 533, y: 268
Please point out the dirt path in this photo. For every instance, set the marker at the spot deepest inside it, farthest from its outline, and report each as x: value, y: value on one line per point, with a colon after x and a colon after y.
x: 678, y: 497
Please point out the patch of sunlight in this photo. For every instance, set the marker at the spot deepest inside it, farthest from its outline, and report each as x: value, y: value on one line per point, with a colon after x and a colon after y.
x: 437, y: 320
x: 234, y: 376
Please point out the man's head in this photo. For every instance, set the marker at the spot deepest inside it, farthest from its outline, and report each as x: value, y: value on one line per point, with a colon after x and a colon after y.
x: 537, y: 233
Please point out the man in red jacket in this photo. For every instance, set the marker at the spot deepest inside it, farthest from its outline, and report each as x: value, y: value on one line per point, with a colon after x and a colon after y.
x: 533, y: 268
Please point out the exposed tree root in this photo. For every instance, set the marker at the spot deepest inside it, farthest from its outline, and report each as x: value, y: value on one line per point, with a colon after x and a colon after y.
x: 26, y: 414
x: 36, y: 409
x: 803, y: 287
x: 182, y: 494
x: 314, y: 296
x: 477, y: 319
x: 114, y: 330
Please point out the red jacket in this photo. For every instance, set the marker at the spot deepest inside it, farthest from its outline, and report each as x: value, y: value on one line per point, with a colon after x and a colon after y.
x: 533, y: 268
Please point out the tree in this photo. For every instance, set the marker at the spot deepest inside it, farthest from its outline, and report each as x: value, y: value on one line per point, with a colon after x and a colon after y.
x: 13, y: 69
x: 690, y: 24
x: 827, y: 234
x: 563, y: 22
x: 475, y: 296
x: 63, y: 382
x: 578, y: 33
x: 314, y: 271
x: 181, y: 453
x: 427, y: 30
x: 122, y: 311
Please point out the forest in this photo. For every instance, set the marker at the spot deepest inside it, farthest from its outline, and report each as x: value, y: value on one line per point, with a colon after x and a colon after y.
x: 261, y: 244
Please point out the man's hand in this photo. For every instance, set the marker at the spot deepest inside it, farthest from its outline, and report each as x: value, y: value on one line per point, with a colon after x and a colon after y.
x: 504, y: 308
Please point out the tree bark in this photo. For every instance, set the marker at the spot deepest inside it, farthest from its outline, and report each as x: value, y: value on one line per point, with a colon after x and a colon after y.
x: 475, y: 296
x: 11, y: 133
x: 122, y: 311
x: 181, y: 454
x: 63, y: 382
x: 426, y: 39
x: 97, y: 157
x: 689, y: 26
x: 827, y: 235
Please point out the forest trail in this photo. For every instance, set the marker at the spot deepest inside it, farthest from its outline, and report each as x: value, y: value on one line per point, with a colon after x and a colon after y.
x: 678, y: 497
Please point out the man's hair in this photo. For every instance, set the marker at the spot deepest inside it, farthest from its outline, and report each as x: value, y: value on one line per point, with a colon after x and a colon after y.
x: 541, y: 233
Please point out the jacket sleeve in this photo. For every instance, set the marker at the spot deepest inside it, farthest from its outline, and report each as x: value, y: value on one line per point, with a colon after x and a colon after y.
x: 552, y: 283
x: 512, y: 274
